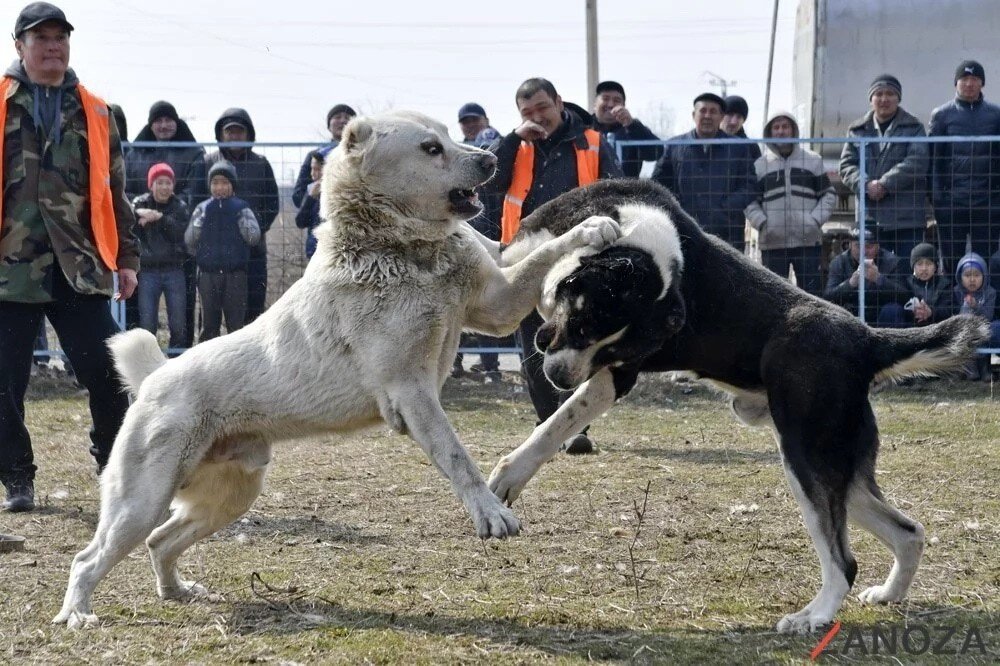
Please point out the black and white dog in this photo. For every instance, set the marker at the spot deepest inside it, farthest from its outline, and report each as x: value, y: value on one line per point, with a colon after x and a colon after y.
x: 668, y: 296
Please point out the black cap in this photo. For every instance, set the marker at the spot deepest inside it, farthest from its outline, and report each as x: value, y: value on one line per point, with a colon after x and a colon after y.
x: 710, y: 97
x: 37, y: 13
x: 885, y: 81
x: 736, y: 104
x: 340, y: 108
x: 922, y: 251
x: 613, y: 86
x: 965, y: 68
x: 162, y: 109
x: 871, y: 234
x: 471, y: 109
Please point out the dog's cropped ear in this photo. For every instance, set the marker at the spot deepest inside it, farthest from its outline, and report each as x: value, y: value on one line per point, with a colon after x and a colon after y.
x: 356, y: 135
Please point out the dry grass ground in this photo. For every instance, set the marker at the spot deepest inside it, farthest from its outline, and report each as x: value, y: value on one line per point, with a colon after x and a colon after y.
x: 358, y: 552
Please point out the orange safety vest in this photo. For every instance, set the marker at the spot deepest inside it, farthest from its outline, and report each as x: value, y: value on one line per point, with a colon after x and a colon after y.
x: 102, y: 209
x: 587, y: 171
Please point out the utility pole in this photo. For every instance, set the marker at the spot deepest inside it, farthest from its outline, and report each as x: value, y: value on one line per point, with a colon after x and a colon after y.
x: 770, y: 62
x: 591, y: 46
x: 717, y: 80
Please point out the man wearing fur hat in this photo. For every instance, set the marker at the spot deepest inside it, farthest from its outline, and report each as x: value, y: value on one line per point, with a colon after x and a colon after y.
x: 895, y: 185
x: 964, y: 175
x: 794, y: 200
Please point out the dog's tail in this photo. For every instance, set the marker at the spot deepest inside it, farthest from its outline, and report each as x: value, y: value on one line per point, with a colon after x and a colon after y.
x: 939, y: 349
x: 137, y: 355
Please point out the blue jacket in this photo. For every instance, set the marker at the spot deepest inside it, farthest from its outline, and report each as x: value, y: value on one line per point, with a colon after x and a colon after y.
x: 713, y: 183
x: 961, y: 172
x: 308, y: 218
x: 221, y: 233
x: 901, y: 167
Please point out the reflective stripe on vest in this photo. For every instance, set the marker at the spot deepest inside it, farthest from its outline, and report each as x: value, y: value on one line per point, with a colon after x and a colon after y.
x: 102, y: 209
x: 587, y: 171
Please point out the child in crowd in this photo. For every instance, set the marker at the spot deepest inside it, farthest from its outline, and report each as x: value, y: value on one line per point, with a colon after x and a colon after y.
x: 308, y: 216
x: 160, y: 222
x: 973, y: 295
x: 930, y: 293
x: 222, y: 230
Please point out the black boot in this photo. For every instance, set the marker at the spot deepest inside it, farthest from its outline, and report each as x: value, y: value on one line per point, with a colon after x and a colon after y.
x: 20, y: 495
x: 579, y: 444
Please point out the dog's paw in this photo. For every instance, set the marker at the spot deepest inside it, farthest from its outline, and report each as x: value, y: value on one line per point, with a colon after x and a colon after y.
x: 493, y: 519
x: 597, y: 232
x: 806, y: 621
x: 187, y: 590
x: 75, y: 619
x: 507, y: 480
x: 879, y: 594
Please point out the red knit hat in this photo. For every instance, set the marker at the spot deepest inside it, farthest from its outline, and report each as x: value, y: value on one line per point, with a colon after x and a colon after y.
x: 157, y: 170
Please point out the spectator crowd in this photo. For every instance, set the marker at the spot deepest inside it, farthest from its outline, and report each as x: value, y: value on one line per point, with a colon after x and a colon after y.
x: 81, y: 206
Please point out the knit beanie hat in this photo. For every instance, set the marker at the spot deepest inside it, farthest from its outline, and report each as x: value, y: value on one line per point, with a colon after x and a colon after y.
x: 340, y: 108
x: 612, y: 86
x: 971, y: 260
x: 886, y: 81
x: 157, y: 170
x: 736, y: 104
x: 922, y: 251
x: 225, y: 169
x: 162, y: 109
x: 970, y: 68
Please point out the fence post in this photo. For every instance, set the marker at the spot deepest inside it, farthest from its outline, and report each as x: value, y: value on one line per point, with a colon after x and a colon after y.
x: 862, y: 170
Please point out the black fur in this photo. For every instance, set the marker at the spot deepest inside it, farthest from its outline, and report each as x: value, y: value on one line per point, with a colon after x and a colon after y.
x: 730, y: 320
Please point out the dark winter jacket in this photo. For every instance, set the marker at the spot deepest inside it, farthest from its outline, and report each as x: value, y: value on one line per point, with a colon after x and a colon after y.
x: 221, y: 233
x: 900, y: 167
x: 754, y: 149
x: 305, y: 172
x: 889, y: 288
x: 257, y: 185
x: 187, y: 162
x: 936, y: 293
x: 161, y: 243
x: 632, y: 156
x: 555, y: 162
x: 965, y: 174
x: 308, y: 218
x: 713, y: 183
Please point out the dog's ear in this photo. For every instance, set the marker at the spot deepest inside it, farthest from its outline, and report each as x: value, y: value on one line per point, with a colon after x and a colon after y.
x: 356, y: 135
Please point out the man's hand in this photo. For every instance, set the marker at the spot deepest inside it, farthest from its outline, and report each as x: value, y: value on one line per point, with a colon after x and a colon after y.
x: 922, y: 312
x: 147, y: 216
x: 530, y: 131
x: 871, y: 271
x: 876, y: 190
x: 127, y: 282
x: 313, y: 189
x: 622, y: 115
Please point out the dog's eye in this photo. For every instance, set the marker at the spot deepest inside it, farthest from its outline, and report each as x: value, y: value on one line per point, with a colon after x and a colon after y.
x: 433, y: 148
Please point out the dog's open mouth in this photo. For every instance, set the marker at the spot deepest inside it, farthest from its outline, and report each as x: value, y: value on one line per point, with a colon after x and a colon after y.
x: 465, y: 201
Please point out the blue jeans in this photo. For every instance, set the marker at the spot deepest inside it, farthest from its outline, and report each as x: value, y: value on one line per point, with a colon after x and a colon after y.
x: 170, y: 283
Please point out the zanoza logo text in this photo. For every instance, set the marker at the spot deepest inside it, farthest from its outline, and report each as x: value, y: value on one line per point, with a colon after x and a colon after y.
x: 891, y: 640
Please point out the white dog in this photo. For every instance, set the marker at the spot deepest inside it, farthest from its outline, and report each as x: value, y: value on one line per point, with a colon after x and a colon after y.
x: 368, y: 334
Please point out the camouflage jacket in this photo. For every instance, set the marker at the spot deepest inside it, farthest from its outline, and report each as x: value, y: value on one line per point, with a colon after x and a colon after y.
x: 46, y: 208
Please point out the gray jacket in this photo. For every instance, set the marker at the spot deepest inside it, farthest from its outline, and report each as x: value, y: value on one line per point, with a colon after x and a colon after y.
x: 901, y: 167
x: 795, y: 199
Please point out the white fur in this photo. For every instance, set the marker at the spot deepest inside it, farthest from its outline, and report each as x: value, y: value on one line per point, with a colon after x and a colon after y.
x: 367, y: 335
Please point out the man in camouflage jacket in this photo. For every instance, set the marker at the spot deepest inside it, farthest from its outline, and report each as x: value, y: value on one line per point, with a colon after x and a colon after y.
x: 56, y: 244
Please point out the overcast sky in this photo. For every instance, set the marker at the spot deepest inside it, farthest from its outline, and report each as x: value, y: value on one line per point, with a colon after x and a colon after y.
x: 288, y: 62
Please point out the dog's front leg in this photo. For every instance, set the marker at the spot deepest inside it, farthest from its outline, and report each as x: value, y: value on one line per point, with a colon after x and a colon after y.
x: 514, y: 470
x: 417, y: 408
x: 510, y: 294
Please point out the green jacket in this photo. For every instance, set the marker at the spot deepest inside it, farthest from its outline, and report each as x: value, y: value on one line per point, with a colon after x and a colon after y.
x: 45, y: 188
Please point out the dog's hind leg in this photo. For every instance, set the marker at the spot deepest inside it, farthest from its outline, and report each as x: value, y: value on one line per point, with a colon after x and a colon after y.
x: 825, y: 515
x: 135, y: 495
x: 217, y: 493
x: 905, y: 538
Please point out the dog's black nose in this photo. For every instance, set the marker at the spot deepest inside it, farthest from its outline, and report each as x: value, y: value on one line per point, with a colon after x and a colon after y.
x: 544, y: 336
